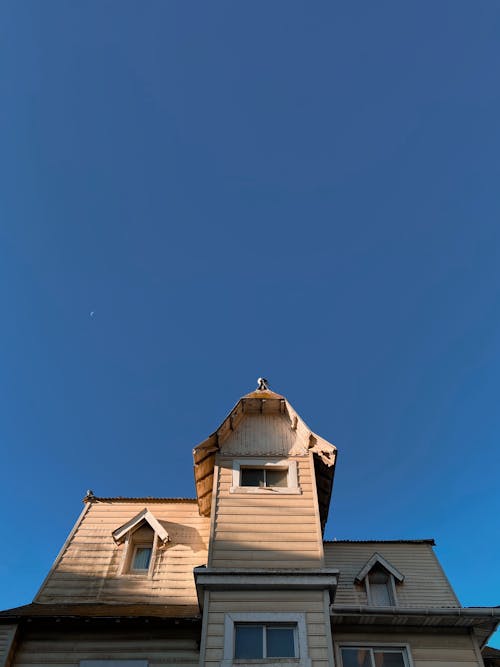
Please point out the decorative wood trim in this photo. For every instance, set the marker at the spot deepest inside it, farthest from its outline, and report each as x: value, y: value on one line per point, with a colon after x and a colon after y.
x: 144, y: 516
x: 380, y: 560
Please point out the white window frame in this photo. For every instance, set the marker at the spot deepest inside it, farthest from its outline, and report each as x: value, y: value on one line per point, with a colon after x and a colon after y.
x: 292, y: 487
x: 269, y: 618
x: 264, y: 626
x: 391, y: 585
x: 141, y: 545
x: 404, y: 649
x: 130, y: 547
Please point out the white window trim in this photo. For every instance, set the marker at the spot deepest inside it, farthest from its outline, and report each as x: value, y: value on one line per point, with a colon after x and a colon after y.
x: 392, y: 590
x: 299, y: 620
x: 403, y: 647
x: 128, y: 558
x: 141, y: 545
x: 282, y: 464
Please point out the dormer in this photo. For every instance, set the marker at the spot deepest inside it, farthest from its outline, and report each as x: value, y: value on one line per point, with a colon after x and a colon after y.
x: 380, y: 578
x: 142, y: 536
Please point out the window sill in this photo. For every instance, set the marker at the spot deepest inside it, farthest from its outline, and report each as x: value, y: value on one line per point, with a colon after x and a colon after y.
x: 267, y: 490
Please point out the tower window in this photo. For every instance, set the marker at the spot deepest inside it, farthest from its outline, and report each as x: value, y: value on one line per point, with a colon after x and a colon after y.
x: 264, y: 477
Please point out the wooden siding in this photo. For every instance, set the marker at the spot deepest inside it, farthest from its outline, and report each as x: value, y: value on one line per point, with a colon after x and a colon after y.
x: 268, y: 530
x: 425, y: 584
x: 159, y: 647
x: 264, y: 435
x: 88, y: 567
x: 310, y: 603
x: 427, y: 650
x: 7, y: 637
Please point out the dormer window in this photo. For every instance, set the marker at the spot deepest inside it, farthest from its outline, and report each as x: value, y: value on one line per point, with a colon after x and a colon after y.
x: 141, y: 558
x: 379, y: 587
x: 141, y: 537
x: 380, y: 578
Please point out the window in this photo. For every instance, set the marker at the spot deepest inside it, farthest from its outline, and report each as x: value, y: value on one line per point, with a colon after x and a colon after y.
x: 389, y: 656
x: 142, y: 538
x: 250, y: 637
x: 141, y: 558
x: 380, y: 578
x: 266, y: 640
x: 265, y: 476
x: 379, y: 586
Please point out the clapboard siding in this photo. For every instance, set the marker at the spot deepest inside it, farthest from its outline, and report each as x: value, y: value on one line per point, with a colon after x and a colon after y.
x: 158, y: 647
x: 425, y: 584
x: 269, y: 529
x: 427, y: 650
x: 7, y: 638
x: 89, y: 568
x: 263, y: 435
x: 310, y: 603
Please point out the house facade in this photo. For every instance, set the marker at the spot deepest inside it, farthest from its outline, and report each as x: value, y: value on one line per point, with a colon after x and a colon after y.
x: 241, y: 574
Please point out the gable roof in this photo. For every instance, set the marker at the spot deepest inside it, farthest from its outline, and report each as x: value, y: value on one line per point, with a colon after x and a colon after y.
x: 377, y: 559
x: 265, y: 402
x: 143, y: 517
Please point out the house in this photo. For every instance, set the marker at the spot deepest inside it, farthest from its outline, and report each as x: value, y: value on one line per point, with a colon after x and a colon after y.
x: 241, y: 575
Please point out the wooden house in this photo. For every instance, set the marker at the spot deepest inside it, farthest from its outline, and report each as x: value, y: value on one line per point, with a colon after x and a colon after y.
x: 241, y: 575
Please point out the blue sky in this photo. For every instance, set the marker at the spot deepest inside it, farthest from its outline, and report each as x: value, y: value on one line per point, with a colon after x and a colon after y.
x: 305, y: 192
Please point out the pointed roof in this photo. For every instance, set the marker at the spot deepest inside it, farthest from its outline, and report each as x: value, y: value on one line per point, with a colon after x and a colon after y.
x: 264, y: 401
x: 375, y: 560
x: 145, y: 516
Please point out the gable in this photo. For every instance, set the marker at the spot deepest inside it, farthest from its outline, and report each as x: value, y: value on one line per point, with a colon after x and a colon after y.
x: 378, y: 560
x: 145, y: 516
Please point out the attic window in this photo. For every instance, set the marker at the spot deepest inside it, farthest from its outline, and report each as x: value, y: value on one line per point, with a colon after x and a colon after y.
x: 380, y: 578
x: 141, y: 558
x: 265, y: 476
x: 141, y: 537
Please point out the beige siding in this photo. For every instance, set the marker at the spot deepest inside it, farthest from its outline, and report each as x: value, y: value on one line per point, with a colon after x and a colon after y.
x: 7, y: 637
x: 264, y: 435
x: 267, y: 530
x: 308, y: 602
x: 425, y: 584
x: 88, y: 570
x: 163, y: 647
x: 427, y: 650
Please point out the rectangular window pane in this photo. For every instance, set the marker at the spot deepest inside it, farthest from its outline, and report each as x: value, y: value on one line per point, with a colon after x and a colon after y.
x: 356, y: 657
x: 252, y: 477
x: 248, y: 641
x: 380, y: 595
x: 389, y: 659
x: 142, y: 558
x: 280, y: 642
x: 276, y: 477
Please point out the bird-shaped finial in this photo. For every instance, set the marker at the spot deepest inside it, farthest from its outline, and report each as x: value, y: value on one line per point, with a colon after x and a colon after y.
x: 262, y: 384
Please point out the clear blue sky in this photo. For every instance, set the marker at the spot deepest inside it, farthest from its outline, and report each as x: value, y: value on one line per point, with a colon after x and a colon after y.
x: 309, y: 192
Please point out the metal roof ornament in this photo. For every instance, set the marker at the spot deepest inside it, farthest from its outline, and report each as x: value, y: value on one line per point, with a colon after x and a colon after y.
x: 262, y: 384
